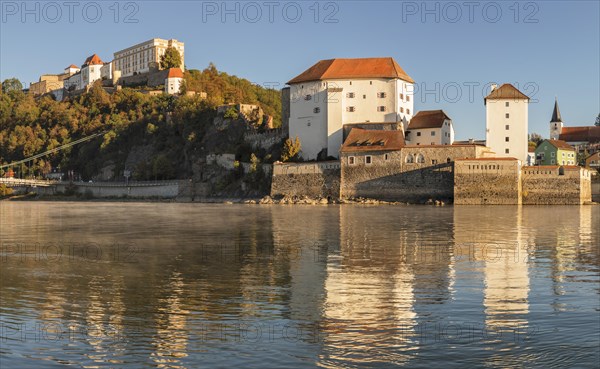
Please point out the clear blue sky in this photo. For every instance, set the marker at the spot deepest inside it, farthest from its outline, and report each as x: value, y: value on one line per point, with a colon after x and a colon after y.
x: 546, y: 48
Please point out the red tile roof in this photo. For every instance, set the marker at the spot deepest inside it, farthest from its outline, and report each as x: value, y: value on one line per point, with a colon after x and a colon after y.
x: 580, y: 134
x: 93, y: 60
x: 428, y: 119
x: 559, y: 144
x: 72, y: 66
x: 175, y: 73
x: 360, y: 140
x: 353, y: 68
x: 506, y: 91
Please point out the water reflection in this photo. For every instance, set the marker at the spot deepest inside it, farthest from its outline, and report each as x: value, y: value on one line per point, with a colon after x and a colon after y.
x: 346, y: 286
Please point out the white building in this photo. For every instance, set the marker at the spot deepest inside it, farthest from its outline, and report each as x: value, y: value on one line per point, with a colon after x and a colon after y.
x: 335, y: 92
x: 430, y: 127
x: 173, y: 81
x: 507, y: 121
x: 142, y: 57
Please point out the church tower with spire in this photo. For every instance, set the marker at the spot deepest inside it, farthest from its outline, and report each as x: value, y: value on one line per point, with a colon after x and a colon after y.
x: 556, y: 123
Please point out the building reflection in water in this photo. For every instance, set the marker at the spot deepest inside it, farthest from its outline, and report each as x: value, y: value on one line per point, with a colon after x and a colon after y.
x: 492, y: 238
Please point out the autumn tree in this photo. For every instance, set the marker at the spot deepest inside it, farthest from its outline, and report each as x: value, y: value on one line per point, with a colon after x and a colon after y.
x: 11, y: 84
x: 170, y: 59
x: 291, y: 149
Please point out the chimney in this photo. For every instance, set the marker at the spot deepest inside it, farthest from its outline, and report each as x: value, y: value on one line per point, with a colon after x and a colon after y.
x: 493, y: 87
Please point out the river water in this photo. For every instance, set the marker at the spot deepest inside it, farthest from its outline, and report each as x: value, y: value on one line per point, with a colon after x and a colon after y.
x: 161, y: 285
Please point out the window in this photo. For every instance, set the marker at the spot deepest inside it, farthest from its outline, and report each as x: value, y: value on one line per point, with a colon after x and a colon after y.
x: 351, y: 160
x: 410, y: 158
x: 350, y: 83
x: 506, y: 151
x: 506, y: 104
x: 386, y: 157
x: 350, y: 95
x: 553, y: 154
x: 433, y: 133
x: 401, y: 110
x: 370, y: 82
x: 308, y: 97
x: 507, y: 127
x: 401, y: 96
x: 381, y: 108
x: 506, y: 139
x: 552, y: 161
x: 418, y: 134
x: 420, y: 158
x: 368, y: 159
x: 448, y: 160
x: 433, y: 162
x: 381, y: 95
x: 407, y: 97
x: 507, y: 115
x: 316, y: 110
x: 364, y: 96
x: 350, y: 109
x: 407, y: 111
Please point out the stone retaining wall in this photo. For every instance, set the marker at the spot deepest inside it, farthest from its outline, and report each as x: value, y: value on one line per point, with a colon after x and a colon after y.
x: 493, y: 181
x: 554, y: 185
x: 306, y: 179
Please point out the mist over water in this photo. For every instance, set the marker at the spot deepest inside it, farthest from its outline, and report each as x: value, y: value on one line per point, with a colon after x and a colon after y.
x: 156, y: 285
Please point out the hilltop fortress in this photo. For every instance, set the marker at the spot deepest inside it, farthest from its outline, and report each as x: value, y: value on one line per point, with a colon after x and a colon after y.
x: 356, y: 118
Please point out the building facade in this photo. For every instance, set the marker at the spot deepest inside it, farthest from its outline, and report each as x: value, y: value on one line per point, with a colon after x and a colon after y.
x: 583, y: 138
x: 144, y: 57
x: 344, y: 91
x: 173, y: 81
x: 507, y: 121
x: 430, y: 127
x: 92, y: 70
x: 555, y: 152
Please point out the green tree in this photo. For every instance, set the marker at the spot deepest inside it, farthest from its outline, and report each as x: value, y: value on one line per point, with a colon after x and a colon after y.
x: 536, y: 138
x: 11, y: 84
x: 170, y: 59
x: 291, y: 149
x: 598, y: 121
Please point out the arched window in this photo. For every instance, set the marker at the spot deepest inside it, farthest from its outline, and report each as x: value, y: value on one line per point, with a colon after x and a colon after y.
x: 561, y: 171
x: 420, y: 158
x: 410, y: 158
x: 448, y: 160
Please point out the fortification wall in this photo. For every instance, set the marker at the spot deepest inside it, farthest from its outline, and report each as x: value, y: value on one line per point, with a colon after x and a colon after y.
x: 554, y: 185
x: 487, y: 181
x: 306, y: 179
x: 265, y: 140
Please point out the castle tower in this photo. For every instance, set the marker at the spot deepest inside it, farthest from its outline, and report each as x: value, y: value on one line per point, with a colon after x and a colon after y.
x: 507, y: 121
x: 556, y: 123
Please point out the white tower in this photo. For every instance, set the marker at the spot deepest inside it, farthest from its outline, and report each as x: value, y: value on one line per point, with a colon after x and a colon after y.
x: 507, y: 121
x: 556, y: 123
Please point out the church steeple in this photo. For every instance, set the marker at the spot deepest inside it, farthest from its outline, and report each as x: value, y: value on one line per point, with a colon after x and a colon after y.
x: 556, y: 113
x: 556, y: 124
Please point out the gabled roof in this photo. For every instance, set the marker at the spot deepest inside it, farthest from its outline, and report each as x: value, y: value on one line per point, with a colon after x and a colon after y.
x: 93, y: 60
x: 559, y: 144
x: 505, y: 92
x: 353, y: 68
x: 360, y: 140
x: 556, y: 113
x: 72, y: 66
x: 428, y: 119
x: 175, y: 73
x: 580, y: 134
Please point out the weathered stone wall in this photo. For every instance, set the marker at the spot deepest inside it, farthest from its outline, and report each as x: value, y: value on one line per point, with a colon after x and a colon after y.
x: 388, y: 179
x: 265, y: 140
x: 493, y: 181
x: 414, y: 174
x: 306, y: 179
x: 554, y: 185
x: 145, y: 79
